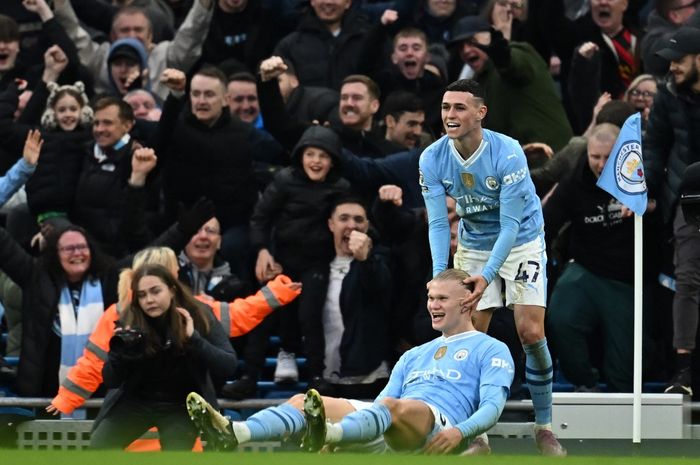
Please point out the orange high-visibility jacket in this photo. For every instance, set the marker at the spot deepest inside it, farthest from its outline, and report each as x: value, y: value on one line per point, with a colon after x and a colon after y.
x: 237, y: 318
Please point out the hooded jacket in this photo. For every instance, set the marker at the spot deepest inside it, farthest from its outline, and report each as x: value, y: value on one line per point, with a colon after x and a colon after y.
x: 135, y: 49
x: 296, y: 207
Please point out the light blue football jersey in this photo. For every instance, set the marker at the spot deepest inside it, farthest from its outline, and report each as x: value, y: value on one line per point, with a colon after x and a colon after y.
x: 496, y: 173
x: 447, y: 373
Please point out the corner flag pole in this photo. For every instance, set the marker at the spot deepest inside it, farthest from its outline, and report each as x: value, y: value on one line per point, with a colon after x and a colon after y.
x: 638, y: 316
x: 623, y: 178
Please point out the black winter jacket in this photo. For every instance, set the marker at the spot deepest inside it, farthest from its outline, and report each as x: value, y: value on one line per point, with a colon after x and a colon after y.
x: 365, y: 304
x: 206, y: 357
x: 671, y: 143
x: 213, y: 161
x: 319, y: 58
x: 601, y: 239
x: 52, y: 186
x: 295, y: 208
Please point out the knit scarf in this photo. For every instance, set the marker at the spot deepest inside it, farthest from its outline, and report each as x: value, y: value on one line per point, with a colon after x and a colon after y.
x: 77, y: 322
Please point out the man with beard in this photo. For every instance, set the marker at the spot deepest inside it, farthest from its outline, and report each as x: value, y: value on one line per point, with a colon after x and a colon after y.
x: 359, y: 102
x: 670, y: 145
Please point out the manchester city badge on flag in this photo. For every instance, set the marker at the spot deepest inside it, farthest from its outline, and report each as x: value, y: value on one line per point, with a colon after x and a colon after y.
x: 468, y: 180
x: 623, y: 174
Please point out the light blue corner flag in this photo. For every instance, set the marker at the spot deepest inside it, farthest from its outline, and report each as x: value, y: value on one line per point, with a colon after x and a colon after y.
x: 623, y: 174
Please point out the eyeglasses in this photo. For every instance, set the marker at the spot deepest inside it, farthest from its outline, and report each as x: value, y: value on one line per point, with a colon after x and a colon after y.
x: 642, y: 93
x: 689, y: 5
x: 209, y: 231
x: 71, y: 249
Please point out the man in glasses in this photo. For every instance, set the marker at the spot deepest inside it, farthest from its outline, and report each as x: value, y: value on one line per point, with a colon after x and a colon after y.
x: 664, y: 20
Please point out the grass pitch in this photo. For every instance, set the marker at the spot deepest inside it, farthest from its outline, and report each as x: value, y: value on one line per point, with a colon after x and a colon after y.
x: 25, y: 457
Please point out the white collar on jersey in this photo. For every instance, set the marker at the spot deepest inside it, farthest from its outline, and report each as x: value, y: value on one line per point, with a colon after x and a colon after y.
x: 464, y: 335
x: 474, y: 156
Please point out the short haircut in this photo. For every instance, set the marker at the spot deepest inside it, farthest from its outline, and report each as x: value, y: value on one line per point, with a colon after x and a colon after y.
x: 400, y: 102
x: 604, y: 132
x: 344, y: 198
x: 131, y: 10
x: 410, y: 32
x: 9, y: 30
x: 615, y: 112
x: 467, y: 85
x: 372, y: 86
x: 244, y: 76
x: 125, y: 111
x: 214, y: 73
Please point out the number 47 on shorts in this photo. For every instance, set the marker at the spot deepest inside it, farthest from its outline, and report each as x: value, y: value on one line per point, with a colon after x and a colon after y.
x: 528, y: 271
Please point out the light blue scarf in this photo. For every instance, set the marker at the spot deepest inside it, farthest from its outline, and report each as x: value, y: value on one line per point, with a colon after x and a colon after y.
x: 78, y: 323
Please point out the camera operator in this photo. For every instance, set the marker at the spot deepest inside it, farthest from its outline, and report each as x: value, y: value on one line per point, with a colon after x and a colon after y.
x: 166, y: 345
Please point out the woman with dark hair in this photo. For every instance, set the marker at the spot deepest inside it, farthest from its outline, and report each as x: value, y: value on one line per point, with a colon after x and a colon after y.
x: 64, y: 294
x: 166, y: 345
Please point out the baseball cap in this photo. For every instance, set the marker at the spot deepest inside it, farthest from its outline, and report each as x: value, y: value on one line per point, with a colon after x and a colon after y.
x: 467, y: 27
x: 128, y: 48
x: 686, y: 41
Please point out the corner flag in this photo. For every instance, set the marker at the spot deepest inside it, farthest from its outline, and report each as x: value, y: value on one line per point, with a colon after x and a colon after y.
x: 623, y: 174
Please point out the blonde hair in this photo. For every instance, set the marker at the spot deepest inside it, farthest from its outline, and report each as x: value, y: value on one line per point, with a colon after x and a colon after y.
x: 451, y: 274
x: 149, y: 256
x: 635, y: 83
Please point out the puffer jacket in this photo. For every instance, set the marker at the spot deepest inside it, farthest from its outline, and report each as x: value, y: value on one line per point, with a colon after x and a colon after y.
x: 671, y: 143
x: 294, y: 207
x: 319, y: 58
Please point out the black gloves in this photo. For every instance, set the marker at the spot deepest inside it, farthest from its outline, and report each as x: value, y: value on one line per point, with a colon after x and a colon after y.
x: 189, y: 221
x: 498, y: 50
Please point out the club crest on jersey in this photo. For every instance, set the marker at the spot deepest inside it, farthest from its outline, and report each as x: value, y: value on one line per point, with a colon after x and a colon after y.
x: 421, y: 181
x: 440, y: 353
x: 461, y: 355
x: 491, y: 183
x: 468, y: 180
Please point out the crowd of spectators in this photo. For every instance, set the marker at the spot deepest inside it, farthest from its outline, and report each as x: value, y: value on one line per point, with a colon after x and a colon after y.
x: 259, y: 138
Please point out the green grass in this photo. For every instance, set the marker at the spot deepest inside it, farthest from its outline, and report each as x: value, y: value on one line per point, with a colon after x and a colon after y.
x: 20, y: 457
